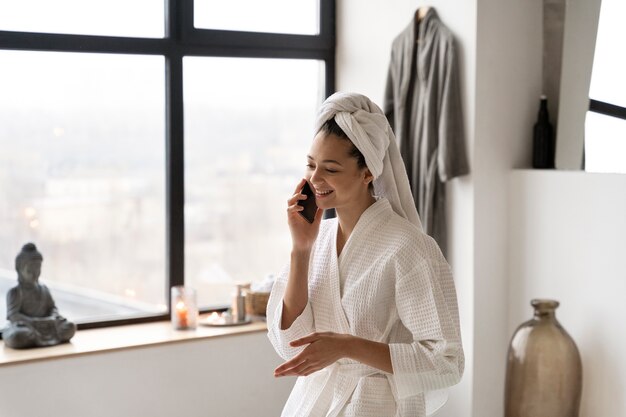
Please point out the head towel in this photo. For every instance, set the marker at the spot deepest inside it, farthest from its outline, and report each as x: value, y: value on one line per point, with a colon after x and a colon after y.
x: 367, y: 127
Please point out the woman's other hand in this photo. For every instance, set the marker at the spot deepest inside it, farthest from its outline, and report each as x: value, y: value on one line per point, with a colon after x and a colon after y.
x: 323, y: 350
x: 303, y: 233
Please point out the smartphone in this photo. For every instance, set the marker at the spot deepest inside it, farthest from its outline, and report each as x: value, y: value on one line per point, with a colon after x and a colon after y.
x: 310, y: 208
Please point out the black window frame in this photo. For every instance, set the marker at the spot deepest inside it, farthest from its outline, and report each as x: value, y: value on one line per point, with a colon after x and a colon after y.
x: 182, y: 39
x: 607, y: 109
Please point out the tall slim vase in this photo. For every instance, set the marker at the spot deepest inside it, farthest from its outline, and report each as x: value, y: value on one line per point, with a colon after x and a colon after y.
x: 544, y: 370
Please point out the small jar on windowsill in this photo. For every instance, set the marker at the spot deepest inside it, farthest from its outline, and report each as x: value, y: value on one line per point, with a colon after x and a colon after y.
x: 184, y: 308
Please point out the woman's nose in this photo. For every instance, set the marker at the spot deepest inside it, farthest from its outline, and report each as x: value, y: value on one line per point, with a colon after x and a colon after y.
x: 315, y: 176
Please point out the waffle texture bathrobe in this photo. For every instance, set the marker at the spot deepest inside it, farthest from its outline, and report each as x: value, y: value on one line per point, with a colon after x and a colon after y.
x: 390, y: 284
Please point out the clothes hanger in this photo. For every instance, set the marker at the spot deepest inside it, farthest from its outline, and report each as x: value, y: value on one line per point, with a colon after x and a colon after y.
x: 421, y: 13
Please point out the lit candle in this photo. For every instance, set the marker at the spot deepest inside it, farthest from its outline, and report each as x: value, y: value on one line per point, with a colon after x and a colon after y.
x: 182, y: 314
x: 184, y: 309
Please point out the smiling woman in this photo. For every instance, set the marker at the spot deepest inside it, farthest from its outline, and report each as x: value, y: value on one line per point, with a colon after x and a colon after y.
x: 365, y: 313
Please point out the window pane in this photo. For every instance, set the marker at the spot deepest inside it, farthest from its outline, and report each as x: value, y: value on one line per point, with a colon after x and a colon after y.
x: 605, y: 143
x: 608, y: 82
x: 140, y: 18
x: 248, y: 127
x: 82, y: 176
x: 276, y: 16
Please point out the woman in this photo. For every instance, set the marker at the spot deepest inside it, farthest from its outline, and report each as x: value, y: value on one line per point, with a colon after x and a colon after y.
x: 365, y: 314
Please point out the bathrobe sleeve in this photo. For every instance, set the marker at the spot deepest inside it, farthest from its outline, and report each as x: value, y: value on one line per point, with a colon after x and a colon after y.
x: 427, y: 306
x: 302, y: 326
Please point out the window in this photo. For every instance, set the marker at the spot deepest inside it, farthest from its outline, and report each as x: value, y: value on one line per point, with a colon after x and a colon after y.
x: 605, y: 125
x: 274, y: 16
x: 83, y: 177
x: 137, y: 159
x: 139, y: 18
x: 247, y: 127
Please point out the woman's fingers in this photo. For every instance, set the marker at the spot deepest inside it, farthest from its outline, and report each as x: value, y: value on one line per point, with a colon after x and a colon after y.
x: 295, y: 208
x: 296, y: 370
x: 305, y: 340
x: 308, y: 371
x: 288, y: 366
x: 295, y: 198
x: 299, y: 186
x: 297, y: 195
x: 305, y: 368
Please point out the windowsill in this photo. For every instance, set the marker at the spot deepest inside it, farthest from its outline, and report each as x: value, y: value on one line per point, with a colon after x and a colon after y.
x: 87, y: 342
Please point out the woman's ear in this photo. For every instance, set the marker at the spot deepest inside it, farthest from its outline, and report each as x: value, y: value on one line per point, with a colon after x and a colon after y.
x: 368, y: 178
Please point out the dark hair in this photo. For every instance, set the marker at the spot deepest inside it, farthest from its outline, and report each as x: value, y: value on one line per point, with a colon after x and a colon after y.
x: 331, y: 126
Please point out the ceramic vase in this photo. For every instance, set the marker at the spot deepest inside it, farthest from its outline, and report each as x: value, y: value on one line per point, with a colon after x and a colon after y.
x: 544, y: 370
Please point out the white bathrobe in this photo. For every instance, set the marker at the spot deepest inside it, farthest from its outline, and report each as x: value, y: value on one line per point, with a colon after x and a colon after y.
x: 397, y: 289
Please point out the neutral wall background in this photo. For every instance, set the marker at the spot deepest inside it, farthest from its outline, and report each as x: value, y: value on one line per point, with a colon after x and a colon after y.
x: 568, y: 243
x: 221, y: 377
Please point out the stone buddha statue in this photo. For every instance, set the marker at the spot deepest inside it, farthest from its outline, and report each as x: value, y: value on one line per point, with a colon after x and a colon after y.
x: 33, y: 317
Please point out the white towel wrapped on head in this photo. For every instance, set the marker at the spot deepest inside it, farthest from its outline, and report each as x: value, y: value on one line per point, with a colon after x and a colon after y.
x: 367, y: 127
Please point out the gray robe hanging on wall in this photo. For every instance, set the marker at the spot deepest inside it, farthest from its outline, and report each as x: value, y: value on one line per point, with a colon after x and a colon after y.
x: 423, y: 105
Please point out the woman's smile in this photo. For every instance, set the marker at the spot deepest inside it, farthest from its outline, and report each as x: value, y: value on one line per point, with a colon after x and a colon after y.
x: 322, y: 194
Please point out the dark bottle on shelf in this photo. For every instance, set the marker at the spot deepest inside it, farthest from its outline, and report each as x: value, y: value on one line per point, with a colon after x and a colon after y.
x: 543, y: 138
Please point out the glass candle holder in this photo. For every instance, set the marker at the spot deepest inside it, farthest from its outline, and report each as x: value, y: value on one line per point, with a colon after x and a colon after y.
x: 184, y: 308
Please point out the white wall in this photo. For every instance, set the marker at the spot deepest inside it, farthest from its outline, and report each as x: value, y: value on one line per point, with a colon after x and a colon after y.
x: 224, y: 376
x: 568, y: 242
x: 508, y: 85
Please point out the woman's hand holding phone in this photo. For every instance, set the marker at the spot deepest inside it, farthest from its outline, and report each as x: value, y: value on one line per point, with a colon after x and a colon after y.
x: 300, y: 206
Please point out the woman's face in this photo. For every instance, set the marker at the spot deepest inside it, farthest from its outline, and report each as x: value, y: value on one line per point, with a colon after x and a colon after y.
x: 334, y: 174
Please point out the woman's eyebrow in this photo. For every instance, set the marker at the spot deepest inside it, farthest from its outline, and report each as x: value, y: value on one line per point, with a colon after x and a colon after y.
x: 325, y: 160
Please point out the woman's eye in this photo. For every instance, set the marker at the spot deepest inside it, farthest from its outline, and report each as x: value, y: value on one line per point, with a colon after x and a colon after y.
x: 330, y: 171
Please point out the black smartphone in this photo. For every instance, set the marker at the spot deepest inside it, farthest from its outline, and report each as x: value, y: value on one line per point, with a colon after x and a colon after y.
x: 310, y: 208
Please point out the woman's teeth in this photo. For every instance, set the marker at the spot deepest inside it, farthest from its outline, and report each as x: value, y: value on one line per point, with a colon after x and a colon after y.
x: 323, y: 193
